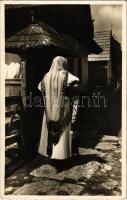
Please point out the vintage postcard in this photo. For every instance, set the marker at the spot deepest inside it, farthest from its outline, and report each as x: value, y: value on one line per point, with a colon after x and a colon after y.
x: 63, y: 100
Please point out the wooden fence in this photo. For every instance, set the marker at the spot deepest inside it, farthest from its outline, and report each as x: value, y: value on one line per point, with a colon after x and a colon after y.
x: 14, y: 112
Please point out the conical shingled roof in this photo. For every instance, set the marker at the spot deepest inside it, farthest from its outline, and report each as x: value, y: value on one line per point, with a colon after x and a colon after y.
x: 39, y: 35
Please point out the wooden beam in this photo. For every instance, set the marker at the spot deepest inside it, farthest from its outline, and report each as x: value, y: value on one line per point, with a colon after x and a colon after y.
x: 10, y: 100
x: 14, y: 125
x: 11, y: 139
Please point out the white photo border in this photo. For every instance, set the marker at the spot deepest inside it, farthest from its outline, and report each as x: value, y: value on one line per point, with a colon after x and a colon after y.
x: 2, y: 101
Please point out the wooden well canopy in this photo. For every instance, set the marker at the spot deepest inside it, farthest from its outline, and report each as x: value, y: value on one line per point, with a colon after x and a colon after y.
x: 38, y: 35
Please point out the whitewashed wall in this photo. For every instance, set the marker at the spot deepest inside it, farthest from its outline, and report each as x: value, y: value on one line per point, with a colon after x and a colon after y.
x: 12, y: 74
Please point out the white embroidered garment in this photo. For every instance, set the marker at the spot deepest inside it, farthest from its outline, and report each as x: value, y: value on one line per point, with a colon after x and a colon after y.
x: 53, y: 87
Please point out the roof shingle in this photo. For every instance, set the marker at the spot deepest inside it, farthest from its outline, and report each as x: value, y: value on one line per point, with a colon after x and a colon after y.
x: 103, y: 39
x: 39, y: 35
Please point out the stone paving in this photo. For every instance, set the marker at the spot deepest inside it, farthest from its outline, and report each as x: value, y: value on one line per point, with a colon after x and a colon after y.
x: 94, y: 172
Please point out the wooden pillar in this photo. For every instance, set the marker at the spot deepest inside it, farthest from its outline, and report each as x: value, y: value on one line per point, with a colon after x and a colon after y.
x: 23, y: 79
x: 75, y: 69
x: 84, y: 68
x: 109, y: 72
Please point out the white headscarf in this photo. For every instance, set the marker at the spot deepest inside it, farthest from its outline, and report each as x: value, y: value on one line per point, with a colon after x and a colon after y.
x: 54, y: 85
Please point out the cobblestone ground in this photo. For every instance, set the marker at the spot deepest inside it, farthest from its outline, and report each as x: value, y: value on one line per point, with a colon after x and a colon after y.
x: 94, y: 172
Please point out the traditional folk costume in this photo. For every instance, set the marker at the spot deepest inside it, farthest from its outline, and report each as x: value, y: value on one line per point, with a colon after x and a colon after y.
x: 58, y: 112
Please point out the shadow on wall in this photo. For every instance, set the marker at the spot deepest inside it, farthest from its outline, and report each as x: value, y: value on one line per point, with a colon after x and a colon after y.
x: 94, y: 122
x: 108, y: 119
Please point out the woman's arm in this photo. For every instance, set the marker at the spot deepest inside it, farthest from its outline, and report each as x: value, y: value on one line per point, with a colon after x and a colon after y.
x: 72, y: 89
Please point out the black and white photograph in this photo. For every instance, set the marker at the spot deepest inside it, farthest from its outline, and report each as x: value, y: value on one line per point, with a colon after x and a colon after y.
x: 63, y: 115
